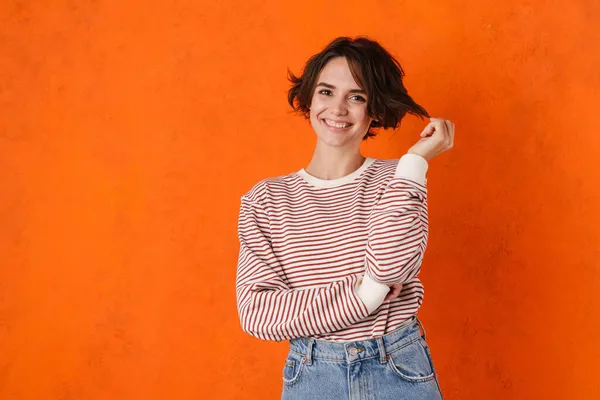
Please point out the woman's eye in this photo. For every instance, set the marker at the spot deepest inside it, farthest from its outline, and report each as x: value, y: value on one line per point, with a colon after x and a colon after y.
x: 327, y: 92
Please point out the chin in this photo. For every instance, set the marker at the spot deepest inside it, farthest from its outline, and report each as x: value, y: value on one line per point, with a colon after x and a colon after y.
x: 335, y: 140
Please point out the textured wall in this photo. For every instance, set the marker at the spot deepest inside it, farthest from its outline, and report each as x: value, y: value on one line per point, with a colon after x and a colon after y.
x: 129, y: 131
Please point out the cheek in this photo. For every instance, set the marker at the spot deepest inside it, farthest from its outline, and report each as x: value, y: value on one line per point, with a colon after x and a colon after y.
x: 316, y: 104
x: 364, y: 117
x: 316, y: 109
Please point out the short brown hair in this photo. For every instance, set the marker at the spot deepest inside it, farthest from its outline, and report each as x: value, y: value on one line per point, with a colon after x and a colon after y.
x: 375, y: 70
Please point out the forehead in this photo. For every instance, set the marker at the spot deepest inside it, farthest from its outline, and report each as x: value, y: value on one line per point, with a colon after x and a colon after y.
x: 337, y: 72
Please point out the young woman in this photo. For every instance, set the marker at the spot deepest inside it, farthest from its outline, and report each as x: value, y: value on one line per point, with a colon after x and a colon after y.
x: 330, y: 255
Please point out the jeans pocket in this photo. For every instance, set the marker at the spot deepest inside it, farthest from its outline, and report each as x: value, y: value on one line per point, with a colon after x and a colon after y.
x: 294, y: 365
x: 411, y: 362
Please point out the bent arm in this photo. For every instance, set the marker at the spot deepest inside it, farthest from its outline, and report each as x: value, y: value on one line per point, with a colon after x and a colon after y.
x: 398, y: 231
x: 268, y: 308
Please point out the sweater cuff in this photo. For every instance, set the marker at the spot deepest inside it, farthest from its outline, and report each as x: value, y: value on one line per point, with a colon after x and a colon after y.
x: 412, y: 166
x: 371, y: 293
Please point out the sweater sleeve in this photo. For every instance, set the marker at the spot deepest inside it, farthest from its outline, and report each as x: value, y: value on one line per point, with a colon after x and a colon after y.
x: 398, y: 225
x: 268, y: 308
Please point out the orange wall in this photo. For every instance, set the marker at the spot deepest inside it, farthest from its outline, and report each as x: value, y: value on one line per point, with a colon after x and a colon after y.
x: 129, y: 132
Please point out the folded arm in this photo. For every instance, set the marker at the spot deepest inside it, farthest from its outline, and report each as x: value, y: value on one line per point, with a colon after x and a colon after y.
x: 268, y: 308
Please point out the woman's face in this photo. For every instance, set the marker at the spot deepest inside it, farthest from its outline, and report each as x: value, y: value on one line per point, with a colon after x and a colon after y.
x: 339, y: 101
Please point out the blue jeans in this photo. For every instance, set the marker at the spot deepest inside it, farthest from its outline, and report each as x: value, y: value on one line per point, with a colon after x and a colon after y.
x: 395, y: 366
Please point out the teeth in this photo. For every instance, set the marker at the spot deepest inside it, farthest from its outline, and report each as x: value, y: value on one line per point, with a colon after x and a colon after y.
x: 336, y: 125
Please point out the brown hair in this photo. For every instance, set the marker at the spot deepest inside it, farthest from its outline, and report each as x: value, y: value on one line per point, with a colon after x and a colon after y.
x: 375, y: 70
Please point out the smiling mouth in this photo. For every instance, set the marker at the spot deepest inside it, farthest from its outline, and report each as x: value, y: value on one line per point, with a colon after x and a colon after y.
x: 337, y: 125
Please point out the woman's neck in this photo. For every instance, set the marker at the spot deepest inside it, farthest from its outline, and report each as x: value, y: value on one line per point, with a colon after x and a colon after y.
x: 333, y: 167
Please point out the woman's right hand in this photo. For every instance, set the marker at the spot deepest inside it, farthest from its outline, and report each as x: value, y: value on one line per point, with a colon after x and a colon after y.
x: 395, y: 289
x: 437, y: 137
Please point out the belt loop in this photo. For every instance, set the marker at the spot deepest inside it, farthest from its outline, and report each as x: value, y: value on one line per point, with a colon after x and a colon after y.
x: 422, y: 327
x: 382, y: 353
x: 309, y: 351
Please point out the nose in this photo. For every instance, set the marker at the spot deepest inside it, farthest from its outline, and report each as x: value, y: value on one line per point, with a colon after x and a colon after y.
x: 339, y: 107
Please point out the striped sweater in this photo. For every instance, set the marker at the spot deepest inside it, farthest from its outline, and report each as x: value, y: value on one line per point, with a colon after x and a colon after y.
x: 317, y: 256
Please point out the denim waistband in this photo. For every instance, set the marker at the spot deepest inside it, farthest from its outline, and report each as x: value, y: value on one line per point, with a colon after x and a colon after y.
x: 379, y: 346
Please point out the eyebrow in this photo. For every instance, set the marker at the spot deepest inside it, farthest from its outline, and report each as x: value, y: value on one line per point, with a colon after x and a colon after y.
x: 327, y: 85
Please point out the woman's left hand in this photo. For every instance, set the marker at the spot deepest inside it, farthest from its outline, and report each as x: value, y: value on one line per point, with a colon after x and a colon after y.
x: 436, y: 138
x: 395, y: 289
